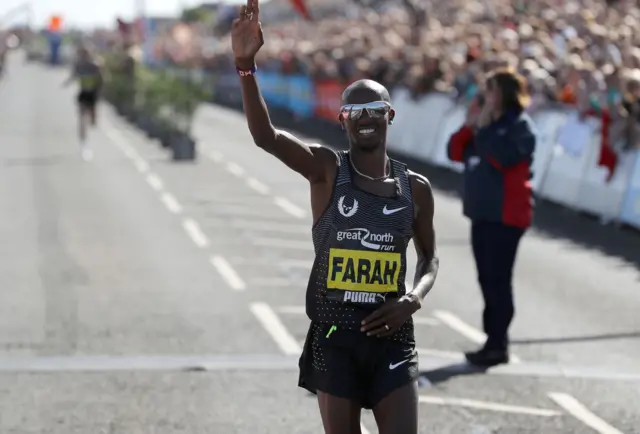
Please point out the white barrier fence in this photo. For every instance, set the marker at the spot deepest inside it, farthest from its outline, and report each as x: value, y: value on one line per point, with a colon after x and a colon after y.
x: 567, y: 174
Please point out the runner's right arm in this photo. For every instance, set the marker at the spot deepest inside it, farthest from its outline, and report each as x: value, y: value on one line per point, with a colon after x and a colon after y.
x: 314, y: 162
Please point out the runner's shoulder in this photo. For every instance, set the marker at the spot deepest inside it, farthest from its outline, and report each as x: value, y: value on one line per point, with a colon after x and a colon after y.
x: 420, y: 188
x: 418, y: 180
x: 324, y: 152
x: 329, y: 160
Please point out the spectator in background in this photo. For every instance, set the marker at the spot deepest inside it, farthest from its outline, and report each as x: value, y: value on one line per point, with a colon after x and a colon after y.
x: 496, y: 145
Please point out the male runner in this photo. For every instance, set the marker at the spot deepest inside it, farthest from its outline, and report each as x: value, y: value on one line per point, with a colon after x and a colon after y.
x: 4, y: 48
x: 89, y: 76
x: 360, y: 348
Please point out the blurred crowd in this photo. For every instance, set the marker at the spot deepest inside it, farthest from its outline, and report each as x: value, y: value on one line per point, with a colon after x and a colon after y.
x: 584, y: 53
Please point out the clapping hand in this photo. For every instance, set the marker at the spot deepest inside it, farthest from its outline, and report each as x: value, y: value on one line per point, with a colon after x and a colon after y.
x: 246, y: 35
x: 486, y: 114
x: 473, y: 112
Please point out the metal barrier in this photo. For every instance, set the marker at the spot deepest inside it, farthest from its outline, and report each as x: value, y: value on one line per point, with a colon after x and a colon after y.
x: 565, y: 164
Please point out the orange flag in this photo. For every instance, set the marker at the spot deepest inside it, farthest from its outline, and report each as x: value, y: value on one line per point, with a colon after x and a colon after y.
x: 301, y: 7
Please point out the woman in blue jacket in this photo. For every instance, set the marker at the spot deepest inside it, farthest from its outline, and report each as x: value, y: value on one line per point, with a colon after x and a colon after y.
x: 496, y: 145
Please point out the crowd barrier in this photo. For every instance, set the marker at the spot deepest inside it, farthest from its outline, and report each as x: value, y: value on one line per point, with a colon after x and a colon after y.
x: 565, y: 164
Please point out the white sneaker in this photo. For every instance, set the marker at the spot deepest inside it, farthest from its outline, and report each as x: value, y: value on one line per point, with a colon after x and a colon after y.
x: 87, y: 154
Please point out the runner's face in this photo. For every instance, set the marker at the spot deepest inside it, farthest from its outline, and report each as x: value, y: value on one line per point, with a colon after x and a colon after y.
x: 365, y: 118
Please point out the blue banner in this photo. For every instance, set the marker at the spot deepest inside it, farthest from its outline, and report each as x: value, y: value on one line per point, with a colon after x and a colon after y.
x: 274, y: 89
x: 228, y: 88
x: 631, y: 208
x: 301, y: 96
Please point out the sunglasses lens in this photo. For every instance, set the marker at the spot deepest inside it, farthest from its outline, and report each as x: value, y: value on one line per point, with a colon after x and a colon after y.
x: 377, y: 109
x: 378, y: 112
x: 374, y: 109
x: 350, y: 112
x: 355, y: 113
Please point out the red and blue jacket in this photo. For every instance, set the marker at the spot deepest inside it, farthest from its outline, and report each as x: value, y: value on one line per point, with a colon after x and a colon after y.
x: 497, y: 176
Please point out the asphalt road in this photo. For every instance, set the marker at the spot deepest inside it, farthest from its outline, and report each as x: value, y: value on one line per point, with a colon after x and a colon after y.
x: 138, y: 295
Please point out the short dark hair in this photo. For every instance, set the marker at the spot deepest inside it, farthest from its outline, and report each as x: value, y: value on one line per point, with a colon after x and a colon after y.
x: 513, y: 86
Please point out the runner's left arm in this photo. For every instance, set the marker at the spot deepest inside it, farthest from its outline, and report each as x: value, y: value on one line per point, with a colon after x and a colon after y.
x: 386, y: 320
x: 72, y: 76
x: 424, y: 238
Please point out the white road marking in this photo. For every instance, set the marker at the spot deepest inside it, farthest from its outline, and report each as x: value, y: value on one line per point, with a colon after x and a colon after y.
x: 486, y: 405
x: 258, y: 186
x: 466, y: 330
x: 142, y: 362
x: 582, y: 413
x: 215, y: 156
x: 423, y: 320
x: 289, y: 207
x: 297, y: 263
x: 279, y: 243
x: 428, y: 352
x: 196, y: 234
x: 129, y: 152
x: 292, y: 310
x: 251, y: 209
x: 271, y: 282
x: 154, y: 181
x: 300, y: 310
x: 228, y: 273
x: 117, y: 138
x: 460, y: 326
x: 268, y: 226
x: 278, y: 332
x: 229, y: 195
x: 285, y: 263
x: 171, y: 203
x: 142, y: 165
x: 235, y: 169
x: 112, y: 134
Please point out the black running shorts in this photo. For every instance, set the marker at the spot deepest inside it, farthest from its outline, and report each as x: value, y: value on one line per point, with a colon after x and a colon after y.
x: 87, y: 98
x: 349, y: 364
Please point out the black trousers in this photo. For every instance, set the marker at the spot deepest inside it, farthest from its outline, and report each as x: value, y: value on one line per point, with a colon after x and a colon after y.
x: 494, y: 247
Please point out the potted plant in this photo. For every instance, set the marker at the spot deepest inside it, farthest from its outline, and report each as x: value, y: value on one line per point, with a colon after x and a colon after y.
x: 165, y: 114
x: 148, y: 102
x: 187, y: 96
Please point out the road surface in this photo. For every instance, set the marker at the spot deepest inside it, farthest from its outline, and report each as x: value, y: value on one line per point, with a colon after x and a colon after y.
x: 142, y: 296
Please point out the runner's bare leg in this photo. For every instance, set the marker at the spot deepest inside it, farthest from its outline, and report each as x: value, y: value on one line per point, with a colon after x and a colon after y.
x: 82, y: 125
x: 339, y: 415
x: 397, y: 413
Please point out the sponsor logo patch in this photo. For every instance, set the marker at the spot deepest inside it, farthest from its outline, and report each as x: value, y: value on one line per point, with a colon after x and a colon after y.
x: 368, y: 239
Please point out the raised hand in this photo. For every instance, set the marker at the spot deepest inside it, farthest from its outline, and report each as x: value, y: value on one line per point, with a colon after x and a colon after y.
x: 246, y: 34
x: 473, y: 112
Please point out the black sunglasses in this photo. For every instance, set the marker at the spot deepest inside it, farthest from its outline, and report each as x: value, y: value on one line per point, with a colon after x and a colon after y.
x: 375, y: 110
